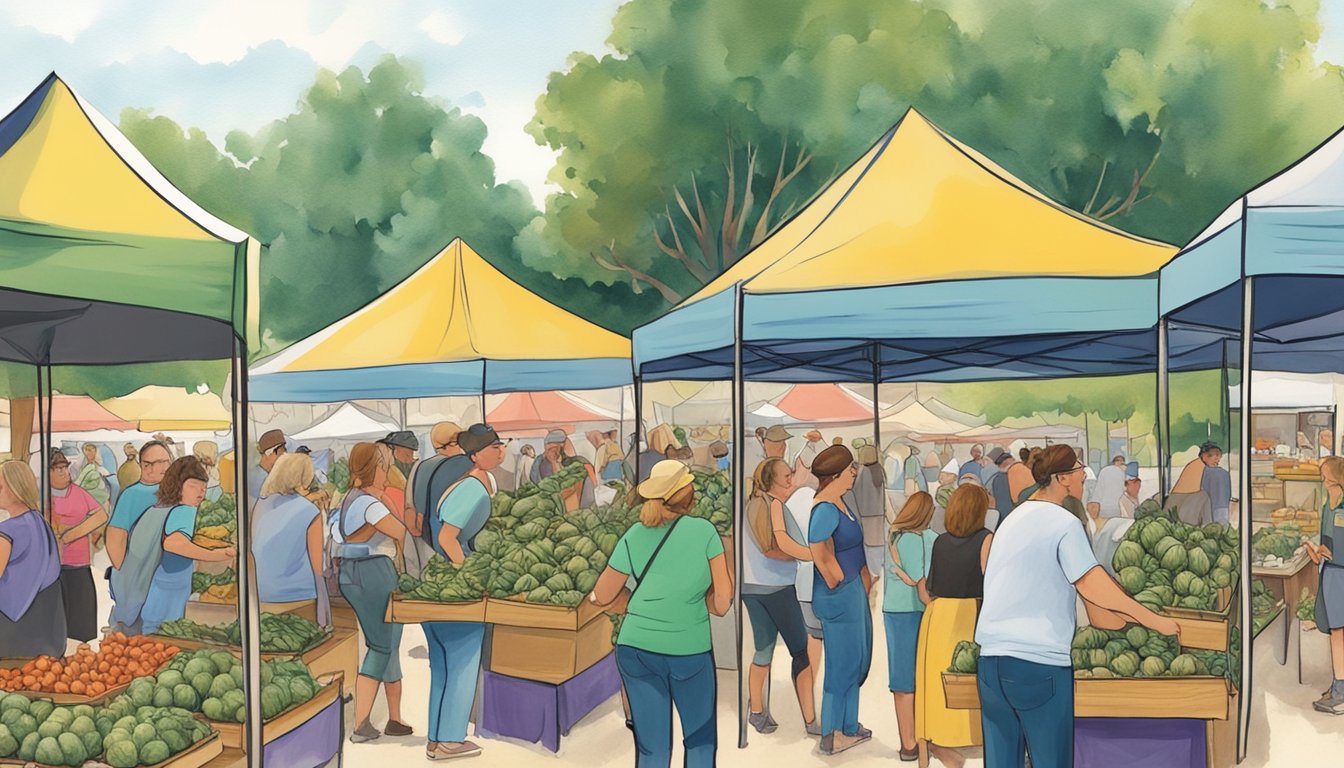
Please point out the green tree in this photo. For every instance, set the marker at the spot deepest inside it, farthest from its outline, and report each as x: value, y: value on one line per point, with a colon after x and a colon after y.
x: 712, y: 121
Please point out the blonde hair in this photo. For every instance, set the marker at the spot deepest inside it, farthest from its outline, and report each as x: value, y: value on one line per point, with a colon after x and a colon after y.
x: 293, y: 472
x: 915, y: 514
x: 655, y: 513
x: 758, y: 509
x: 20, y: 481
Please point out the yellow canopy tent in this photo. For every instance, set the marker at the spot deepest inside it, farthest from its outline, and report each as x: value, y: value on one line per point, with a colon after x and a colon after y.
x: 171, y: 409
x: 456, y: 326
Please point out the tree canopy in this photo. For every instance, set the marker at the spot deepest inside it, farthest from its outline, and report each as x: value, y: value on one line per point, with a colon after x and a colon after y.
x: 711, y: 122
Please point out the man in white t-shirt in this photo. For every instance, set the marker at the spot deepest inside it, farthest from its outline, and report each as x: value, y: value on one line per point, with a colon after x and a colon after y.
x: 1039, y: 564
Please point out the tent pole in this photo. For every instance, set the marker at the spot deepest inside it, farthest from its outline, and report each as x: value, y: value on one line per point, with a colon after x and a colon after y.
x: 404, y: 421
x: 249, y: 611
x: 44, y: 453
x: 877, y: 409
x: 1244, y: 511
x: 638, y: 386
x: 1163, y: 412
x: 1225, y: 400
x: 739, y: 504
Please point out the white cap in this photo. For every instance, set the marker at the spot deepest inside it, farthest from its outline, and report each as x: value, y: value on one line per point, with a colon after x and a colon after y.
x: 952, y: 467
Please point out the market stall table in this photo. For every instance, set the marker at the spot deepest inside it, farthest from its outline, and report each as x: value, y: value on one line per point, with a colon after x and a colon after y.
x: 1287, y: 584
x: 542, y: 712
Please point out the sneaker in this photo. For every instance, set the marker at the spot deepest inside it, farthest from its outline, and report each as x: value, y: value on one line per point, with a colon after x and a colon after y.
x: 397, y: 728
x: 813, y: 728
x: 365, y: 732
x: 447, y: 751
x: 909, y: 757
x: 836, y: 742
x: 762, y: 723
x: 864, y: 733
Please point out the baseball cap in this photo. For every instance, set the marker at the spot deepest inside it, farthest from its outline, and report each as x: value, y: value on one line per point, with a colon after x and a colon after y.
x: 556, y: 436
x: 477, y: 438
x: 666, y: 478
x: 997, y: 455
x: 1132, y: 470
x: 270, y: 440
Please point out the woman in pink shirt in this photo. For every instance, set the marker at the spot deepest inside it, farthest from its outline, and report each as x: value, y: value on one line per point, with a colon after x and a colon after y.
x: 76, y: 516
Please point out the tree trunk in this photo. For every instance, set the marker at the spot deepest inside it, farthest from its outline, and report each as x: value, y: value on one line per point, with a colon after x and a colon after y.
x: 21, y: 417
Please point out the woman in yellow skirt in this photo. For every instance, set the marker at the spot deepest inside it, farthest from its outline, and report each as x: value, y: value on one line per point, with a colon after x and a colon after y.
x: 956, y: 583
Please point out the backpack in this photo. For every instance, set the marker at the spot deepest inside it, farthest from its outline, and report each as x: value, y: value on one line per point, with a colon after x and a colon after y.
x: 430, y: 481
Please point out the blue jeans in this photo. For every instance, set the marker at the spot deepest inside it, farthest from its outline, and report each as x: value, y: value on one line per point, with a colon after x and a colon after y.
x: 366, y: 584
x: 654, y: 683
x: 1026, y: 707
x: 454, y: 665
x: 847, y: 638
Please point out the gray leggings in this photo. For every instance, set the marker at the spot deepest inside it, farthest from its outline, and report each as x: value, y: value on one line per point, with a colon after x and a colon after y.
x: 777, y: 614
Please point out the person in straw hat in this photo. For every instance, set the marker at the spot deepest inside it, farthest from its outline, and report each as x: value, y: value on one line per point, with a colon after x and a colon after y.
x: 663, y: 650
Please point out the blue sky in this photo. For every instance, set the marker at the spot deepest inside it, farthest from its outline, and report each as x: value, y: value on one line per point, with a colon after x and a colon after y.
x: 241, y: 63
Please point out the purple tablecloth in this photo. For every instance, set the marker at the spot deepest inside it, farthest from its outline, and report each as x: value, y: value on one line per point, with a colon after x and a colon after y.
x: 541, y: 712
x: 1125, y: 743
x: 312, y: 744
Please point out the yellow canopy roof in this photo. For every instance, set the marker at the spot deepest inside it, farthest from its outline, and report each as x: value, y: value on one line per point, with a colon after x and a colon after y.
x: 455, y: 307
x: 922, y: 206
x: 164, y: 409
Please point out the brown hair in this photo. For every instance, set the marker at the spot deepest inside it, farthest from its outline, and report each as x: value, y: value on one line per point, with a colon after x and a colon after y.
x: 830, y: 463
x: 1335, y: 466
x: 966, y: 510
x: 915, y: 514
x: 1054, y: 460
x: 655, y: 513
x: 364, y: 462
x: 182, y: 470
x: 758, y: 507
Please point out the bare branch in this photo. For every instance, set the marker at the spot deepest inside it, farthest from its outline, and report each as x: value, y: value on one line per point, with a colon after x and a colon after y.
x: 702, y: 231
x: 782, y: 180
x: 1087, y: 209
x: 691, y: 265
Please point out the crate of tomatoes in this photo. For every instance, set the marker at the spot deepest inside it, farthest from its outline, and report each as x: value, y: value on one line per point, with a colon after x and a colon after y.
x: 86, y: 676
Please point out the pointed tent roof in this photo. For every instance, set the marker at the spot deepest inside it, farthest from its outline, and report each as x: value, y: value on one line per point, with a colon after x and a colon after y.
x: 455, y: 326
x: 120, y: 262
x: 918, y: 418
x: 167, y: 409
x: 824, y: 404
x: 927, y: 219
x: 939, y: 408
x: 349, y: 422
x: 1285, y: 233
x: 531, y: 412
x: 78, y: 413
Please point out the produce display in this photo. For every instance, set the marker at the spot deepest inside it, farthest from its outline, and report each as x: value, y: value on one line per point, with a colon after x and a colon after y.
x: 714, y: 500
x: 280, y: 633
x: 1273, y: 547
x: 220, y: 587
x: 1131, y: 652
x: 1264, y: 606
x: 338, y: 477
x: 1309, y: 521
x: 569, y: 476
x: 211, y: 682
x: 116, y: 662
x: 121, y: 734
x: 1165, y: 563
x: 216, y: 523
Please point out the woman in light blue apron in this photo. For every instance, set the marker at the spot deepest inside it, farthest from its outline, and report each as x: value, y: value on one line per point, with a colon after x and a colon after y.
x: 181, y: 492
x: 1330, y: 596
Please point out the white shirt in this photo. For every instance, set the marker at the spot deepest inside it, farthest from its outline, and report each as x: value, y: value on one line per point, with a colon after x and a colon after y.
x: 1128, y: 506
x: 1028, y: 613
x: 365, y: 509
x: 799, y: 507
x: 1110, y: 487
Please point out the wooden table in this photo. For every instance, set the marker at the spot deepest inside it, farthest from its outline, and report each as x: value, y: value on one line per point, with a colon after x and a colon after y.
x: 1287, y: 584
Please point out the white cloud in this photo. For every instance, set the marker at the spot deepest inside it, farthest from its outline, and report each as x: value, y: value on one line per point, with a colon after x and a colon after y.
x: 442, y: 28
x: 66, y: 21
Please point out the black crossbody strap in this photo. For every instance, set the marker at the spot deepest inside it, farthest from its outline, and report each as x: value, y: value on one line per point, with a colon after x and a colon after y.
x: 639, y: 580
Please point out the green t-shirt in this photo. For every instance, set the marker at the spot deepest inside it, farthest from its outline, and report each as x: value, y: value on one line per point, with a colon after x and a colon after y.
x: 668, y: 615
x: 916, y: 552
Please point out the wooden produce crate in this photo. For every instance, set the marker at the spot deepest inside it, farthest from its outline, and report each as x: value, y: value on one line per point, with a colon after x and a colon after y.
x: 1199, y: 698
x: 548, y: 655
x: 1206, y: 630
x: 516, y: 613
x: 207, y: 612
x: 339, y: 652
x: 401, y: 611
x: 231, y: 734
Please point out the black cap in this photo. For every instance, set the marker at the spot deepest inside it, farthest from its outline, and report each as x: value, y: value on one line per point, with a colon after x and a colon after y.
x: 303, y: 449
x: 997, y: 455
x: 402, y: 439
x: 477, y: 438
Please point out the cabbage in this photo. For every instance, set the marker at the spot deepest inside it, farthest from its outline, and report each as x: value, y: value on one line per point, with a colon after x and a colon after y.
x: 1153, y: 666
x: 1184, y: 665
x: 1133, y: 579
x: 1136, y: 636
x: 1174, y: 559
x: 1198, y: 561
x: 1128, y: 554
x: 1153, y: 533
x: 1126, y: 664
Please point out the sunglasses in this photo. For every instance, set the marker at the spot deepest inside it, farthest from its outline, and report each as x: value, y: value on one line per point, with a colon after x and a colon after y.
x: 156, y: 463
x: 1078, y: 468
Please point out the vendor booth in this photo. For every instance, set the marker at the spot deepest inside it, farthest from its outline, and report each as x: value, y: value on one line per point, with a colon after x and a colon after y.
x: 104, y: 262
x: 924, y: 261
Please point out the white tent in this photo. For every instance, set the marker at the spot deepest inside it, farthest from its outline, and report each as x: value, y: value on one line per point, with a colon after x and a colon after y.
x: 348, y: 423
x: 918, y: 419
x: 1286, y: 393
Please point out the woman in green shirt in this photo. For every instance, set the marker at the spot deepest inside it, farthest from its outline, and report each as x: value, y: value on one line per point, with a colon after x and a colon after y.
x: 663, y: 650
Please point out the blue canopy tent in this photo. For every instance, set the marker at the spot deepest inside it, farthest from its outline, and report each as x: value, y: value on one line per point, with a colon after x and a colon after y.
x: 1263, y: 288
x: 924, y: 261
